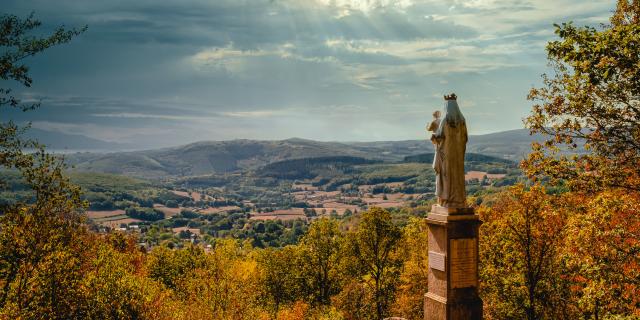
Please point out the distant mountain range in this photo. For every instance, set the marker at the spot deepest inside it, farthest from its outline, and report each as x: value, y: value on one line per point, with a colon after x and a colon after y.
x: 208, y: 157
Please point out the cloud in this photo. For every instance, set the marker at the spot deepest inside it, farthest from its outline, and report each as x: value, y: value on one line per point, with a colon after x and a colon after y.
x: 130, y: 115
x: 250, y: 114
x: 100, y: 132
x: 366, y: 5
x: 184, y: 70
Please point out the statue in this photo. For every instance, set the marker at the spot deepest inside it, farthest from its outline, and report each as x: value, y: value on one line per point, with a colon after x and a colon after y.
x: 450, y: 140
x: 453, y: 228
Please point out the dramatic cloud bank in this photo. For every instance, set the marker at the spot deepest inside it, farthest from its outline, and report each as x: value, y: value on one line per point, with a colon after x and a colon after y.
x: 157, y: 73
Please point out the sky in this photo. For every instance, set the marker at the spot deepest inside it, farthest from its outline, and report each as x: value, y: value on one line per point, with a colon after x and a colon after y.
x: 167, y: 72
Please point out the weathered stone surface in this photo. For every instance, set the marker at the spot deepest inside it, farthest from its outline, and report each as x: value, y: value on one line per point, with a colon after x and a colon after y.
x: 438, y: 283
x: 453, y: 291
x: 437, y: 238
x: 444, y: 217
x: 435, y: 308
x: 464, y: 263
x: 450, y: 139
x: 450, y: 210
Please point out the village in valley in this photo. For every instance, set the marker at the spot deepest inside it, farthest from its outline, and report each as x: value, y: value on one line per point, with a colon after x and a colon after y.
x: 200, y: 215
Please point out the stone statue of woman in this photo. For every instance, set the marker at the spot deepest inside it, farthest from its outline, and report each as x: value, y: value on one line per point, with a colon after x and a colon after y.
x: 450, y: 140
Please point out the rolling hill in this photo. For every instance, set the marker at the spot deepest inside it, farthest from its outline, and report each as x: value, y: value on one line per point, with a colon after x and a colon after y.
x: 208, y: 157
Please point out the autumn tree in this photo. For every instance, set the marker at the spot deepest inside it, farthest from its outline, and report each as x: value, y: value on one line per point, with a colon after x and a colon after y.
x: 281, y: 276
x: 413, y: 284
x: 375, y: 249
x: 226, y: 286
x: 321, y: 256
x: 560, y: 256
x: 114, y: 283
x: 171, y: 267
x: 355, y: 300
x: 589, y: 111
x: 591, y: 101
x: 627, y: 12
x: 520, y: 248
x: 39, y: 239
x: 602, y: 254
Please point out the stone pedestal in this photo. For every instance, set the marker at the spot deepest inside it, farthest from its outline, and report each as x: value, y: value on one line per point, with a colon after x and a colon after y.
x: 453, y: 265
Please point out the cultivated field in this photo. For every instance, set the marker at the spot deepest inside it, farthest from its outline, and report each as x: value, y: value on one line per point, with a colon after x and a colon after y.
x: 481, y: 174
x: 214, y: 210
x: 168, y: 212
x: 289, y: 214
x: 104, y: 214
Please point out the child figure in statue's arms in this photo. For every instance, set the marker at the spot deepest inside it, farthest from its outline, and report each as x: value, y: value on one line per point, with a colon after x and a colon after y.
x: 433, y: 127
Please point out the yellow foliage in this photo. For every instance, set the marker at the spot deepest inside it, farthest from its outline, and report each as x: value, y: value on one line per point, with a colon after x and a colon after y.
x: 414, y: 276
x: 298, y: 311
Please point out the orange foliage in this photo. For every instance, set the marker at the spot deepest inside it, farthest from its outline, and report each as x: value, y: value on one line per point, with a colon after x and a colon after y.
x: 297, y: 311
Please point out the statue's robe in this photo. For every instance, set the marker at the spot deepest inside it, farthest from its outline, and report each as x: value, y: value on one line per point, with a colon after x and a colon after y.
x: 448, y: 163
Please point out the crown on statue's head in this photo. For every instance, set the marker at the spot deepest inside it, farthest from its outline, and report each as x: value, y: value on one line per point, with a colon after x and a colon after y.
x: 451, y: 96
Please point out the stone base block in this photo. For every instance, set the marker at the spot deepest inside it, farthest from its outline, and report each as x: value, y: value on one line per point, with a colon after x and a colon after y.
x: 438, y: 209
x: 438, y: 308
x: 453, y: 265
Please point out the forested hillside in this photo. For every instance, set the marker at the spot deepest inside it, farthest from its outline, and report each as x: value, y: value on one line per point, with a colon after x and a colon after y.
x: 229, y: 156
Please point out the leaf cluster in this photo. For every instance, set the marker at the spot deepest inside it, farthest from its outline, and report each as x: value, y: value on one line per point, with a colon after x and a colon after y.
x: 593, y: 102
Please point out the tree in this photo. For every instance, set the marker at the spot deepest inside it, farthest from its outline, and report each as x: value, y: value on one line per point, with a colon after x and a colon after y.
x: 171, y: 204
x: 298, y: 310
x: 520, y: 246
x: 355, y: 301
x: 113, y: 287
x: 409, y: 302
x: 281, y: 277
x: 603, y: 254
x: 172, y: 267
x: 627, y: 12
x: 18, y: 45
x: 40, y: 240
x: 321, y: 255
x: 591, y: 101
x: 375, y: 249
x: 226, y: 286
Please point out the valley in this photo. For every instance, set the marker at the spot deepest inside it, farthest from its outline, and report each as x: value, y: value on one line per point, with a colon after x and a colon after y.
x: 264, y: 192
